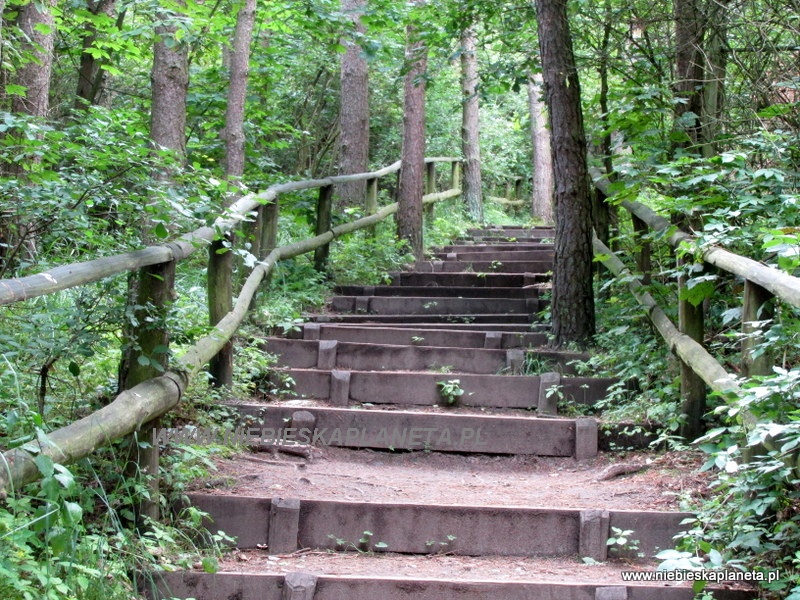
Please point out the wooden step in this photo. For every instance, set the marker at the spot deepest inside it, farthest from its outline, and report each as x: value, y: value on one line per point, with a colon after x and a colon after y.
x: 412, y: 278
x: 435, y: 431
x: 408, y: 527
x: 482, y: 266
x: 419, y: 355
x: 446, y: 338
x: 340, y: 387
x: 434, y: 305
x: 361, y: 584
x: 518, y: 320
x: 441, y: 291
x: 498, y: 246
x: 502, y: 256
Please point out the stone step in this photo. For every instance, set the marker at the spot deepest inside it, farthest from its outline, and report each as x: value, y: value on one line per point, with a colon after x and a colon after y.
x: 446, y: 338
x: 433, y: 431
x: 441, y: 291
x: 419, y: 355
x: 520, y: 320
x: 340, y: 387
x: 501, y: 256
x: 479, y: 266
x: 535, y: 232
x: 467, y: 279
x: 309, y: 578
x: 445, y: 326
x: 433, y: 305
x: 498, y: 238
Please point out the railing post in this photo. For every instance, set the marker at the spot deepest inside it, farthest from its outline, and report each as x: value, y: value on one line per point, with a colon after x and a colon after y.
x: 220, y: 303
x: 517, y: 188
x: 371, y: 200
x: 455, y: 174
x: 757, y: 306
x: 149, y: 358
x: 693, y: 388
x: 430, y: 187
x: 269, y: 229
x: 643, y: 257
x: 324, y: 202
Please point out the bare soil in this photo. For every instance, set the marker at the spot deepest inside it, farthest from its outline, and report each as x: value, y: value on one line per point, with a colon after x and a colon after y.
x: 666, y: 482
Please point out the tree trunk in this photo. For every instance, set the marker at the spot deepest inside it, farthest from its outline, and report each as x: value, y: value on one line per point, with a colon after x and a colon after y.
x: 170, y: 81
x: 233, y: 134
x: 37, y: 26
x: 573, y: 298
x: 470, y: 124
x: 715, y: 72
x: 411, y: 186
x: 354, y: 111
x: 542, y: 154
x: 90, y: 76
x: 688, y: 67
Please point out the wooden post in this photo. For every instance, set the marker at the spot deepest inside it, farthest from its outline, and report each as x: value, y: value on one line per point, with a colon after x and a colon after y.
x: 269, y: 231
x: 757, y: 306
x: 517, y: 188
x: 693, y: 389
x: 430, y: 187
x: 455, y: 175
x: 643, y: 257
x: 324, y: 205
x: 150, y: 358
x: 220, y: 303
x: 371, y: 202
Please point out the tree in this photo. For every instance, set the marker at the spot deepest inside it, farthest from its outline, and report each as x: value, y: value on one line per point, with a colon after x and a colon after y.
x: 90, y: 74
x: 688, y: 67
x: 233, y: 133
x: 411, y: 186
x: 38, y: 30
x: 573, y: 297
x: 542, y: 205
x: 170, y: 83
x: 470, y: 124
x: 354, y: 111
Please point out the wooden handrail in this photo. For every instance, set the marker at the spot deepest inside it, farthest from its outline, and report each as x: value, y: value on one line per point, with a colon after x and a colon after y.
x: 781, y: 284
x: 77, y: 274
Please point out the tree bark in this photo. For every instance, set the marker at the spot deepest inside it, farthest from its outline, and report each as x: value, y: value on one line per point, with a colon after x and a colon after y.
x: 542, y: 154
x: 90, y: 75
x: 233, y: 134
x: 470, y: 125
x: 411, y: 186
x: 688, y: 67
x: 170, y: 82
x: 37, y: 26
x: 354, y: 111
x: 715, y: 73
x: 573, y: 297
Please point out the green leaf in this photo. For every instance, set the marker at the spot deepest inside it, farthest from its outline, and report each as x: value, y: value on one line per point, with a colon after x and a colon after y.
x: 210, y: 564
x: 45, y: 465
x: 160, y: 231
x: 73, y: 512
x: 74, y: 369
x: 16, y: 90
x: 143, y: 360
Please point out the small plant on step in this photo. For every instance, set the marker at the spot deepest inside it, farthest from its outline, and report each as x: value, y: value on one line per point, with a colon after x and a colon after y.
x: 417, y: 339
x: 621, y: 540
x: 363, y: 546
x: 450, y: 390
x: 437, y: 547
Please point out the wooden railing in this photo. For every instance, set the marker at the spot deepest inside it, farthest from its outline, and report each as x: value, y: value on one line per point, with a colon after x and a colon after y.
x: 762, y: 284
x: 152, y: 392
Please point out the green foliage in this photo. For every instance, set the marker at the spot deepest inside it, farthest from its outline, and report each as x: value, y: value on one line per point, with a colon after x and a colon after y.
x: 450, y: 390
x: 365, y: 259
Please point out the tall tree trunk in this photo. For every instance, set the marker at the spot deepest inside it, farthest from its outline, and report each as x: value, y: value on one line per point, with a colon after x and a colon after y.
x: 233, y: 134
x: 39, y: 28
x: 354, y: 111
x: 412, y: 173
x: 573, y: 298
x: 688, y: 67
x: 715, y: 72
x: 471, y: 125
x: 542, y: 154
x: 90, y: 75
x: 170, y: 83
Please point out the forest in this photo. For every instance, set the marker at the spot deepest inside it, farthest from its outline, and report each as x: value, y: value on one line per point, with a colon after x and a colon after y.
x: 128, y: 123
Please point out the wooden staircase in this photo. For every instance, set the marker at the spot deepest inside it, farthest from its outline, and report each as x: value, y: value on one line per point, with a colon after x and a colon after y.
x: 382, y: 368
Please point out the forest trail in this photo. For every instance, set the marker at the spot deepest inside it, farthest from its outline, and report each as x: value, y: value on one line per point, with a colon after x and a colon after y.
x: 441, y: 466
